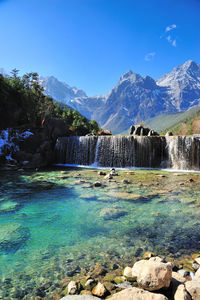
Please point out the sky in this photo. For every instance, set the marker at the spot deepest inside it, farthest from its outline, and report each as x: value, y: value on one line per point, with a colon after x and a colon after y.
x: 91, y: 43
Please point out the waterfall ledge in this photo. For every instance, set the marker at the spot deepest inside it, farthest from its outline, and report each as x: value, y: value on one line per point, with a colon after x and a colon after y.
x: 172, y: 152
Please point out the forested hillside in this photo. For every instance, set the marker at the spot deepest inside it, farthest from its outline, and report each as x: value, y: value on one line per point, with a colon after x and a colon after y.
x: 23, y: 104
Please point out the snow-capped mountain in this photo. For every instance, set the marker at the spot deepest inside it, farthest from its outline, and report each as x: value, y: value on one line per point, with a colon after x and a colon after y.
x: 134, y: 98
x: 183, y: 85
x: 60, y: 91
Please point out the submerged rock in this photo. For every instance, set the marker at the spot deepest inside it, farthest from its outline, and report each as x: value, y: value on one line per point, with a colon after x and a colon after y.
x: 112, y: 213
x: 97, y: 184
x: 12, y: 236
x: 8, y: 206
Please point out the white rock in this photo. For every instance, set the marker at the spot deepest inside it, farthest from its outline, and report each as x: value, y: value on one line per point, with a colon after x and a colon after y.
x: 72, y: 287
x: 178, y: 277
x: 128, y: 272
x: 197, y: 260
x: 99, y: 290
x: 108, y: 176
x: 181, y: 293
x: 193, y: 288
x: 197, y: 275
x: 137, y: 294
x: 79, y: 297
x: 151, y: 274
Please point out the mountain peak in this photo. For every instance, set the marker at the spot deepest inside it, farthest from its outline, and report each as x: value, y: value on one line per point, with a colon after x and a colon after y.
x: 126, y: 75
x: 190, y: 65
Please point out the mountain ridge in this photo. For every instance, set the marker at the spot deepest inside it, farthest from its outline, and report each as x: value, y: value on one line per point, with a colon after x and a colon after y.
x: 134, y: 98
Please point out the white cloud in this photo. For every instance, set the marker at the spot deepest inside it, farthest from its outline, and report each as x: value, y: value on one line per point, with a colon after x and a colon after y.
x: 149, y: 56
x: 174, y: 43
x: 170, y: 27
x: 171, y: 41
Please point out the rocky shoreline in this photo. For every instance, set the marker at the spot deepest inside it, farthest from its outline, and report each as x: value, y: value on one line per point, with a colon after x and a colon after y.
x: 151, y: 278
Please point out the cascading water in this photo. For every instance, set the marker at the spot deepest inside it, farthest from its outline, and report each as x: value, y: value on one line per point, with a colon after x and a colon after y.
x: 176, y: 152
x: 184, y: 152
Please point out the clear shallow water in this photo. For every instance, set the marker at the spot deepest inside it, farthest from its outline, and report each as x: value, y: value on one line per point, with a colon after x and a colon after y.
x: 52, y: 224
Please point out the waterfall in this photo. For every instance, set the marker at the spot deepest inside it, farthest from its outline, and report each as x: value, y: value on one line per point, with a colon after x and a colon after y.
x: 183, y: 152
x: 176, y: 152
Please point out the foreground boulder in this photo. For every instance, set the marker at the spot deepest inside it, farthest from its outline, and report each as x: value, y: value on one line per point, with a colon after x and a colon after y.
x: 152, y: 274
x: 137, y: 294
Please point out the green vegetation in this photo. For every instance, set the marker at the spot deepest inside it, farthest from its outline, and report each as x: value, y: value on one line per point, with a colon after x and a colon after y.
x: 189, y: 125
x: 23, y: 103
x: 166, y: 122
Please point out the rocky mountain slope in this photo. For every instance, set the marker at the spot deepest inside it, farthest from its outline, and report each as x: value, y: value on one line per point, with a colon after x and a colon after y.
x: 183, y: 85
x: 134, y: 98
x: 60, y: 91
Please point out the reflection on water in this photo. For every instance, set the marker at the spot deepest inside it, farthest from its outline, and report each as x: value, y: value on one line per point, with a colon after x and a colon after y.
x: 54, y: 223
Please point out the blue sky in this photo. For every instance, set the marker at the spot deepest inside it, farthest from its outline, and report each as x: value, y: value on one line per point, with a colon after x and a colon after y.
x: 91, y: 43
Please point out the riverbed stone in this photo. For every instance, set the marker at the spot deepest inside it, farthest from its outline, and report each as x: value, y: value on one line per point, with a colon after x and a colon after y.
x: 193, y: 288
x: 79, y: 297
x: 178, y: 277
x: 72, y: 288
x: 137, y: 294
x: 112, y: 213
x: 90, y: 284
x: 125, y: 181
x: 181, y: 293
x: 101, y: 173
x: 12, y: 236
x: 197, y: 260
x: 148, y: 255
x: 98, y: 270
x: 99, y: 290
x: 197, y: 275
x: 127, y: 272
x: 97, y: 184
x: 108, y: 176
x: 152, y: 274
x: 8, y: 206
